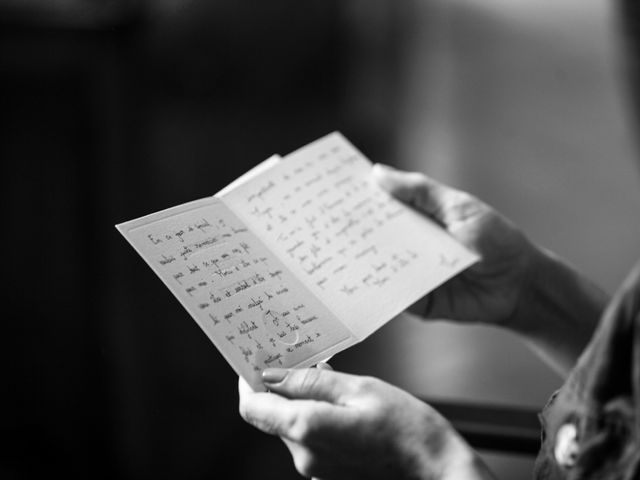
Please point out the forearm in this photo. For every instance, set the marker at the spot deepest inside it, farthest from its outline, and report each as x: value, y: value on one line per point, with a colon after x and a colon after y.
x: 458, y: 462
x: 559, y: 311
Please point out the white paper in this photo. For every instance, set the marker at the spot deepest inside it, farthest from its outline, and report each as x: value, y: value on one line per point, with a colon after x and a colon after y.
x: 366, y: 255
x: 248, y: 303
x: 245, y: 177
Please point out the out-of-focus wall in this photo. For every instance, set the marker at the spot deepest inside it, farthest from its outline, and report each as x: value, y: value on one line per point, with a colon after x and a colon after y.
x: 110, y: 110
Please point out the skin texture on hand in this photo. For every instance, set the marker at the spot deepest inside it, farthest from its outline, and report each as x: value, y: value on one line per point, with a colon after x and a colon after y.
x: 489, y: 291
x: 515, y: 284
x: 344, y: 426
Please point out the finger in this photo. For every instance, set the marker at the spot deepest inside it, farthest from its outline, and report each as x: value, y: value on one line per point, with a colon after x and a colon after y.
x: 450, y: 207
x: 310, y: 463
x: 416, y: 189
x: 266, y: 411
x: 297, y: 420
x: 301, y: 456
x: 309, y: 383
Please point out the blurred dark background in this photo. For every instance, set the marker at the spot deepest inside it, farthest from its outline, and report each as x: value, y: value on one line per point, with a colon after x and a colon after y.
x: 112, y: 109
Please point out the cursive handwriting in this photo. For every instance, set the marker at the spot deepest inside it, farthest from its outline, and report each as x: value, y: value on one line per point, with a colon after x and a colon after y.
x: 244, y: 295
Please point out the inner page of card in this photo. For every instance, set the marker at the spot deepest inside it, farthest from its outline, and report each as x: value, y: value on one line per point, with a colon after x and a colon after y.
x: 365, y: 254
x: 247, y: 176
x: 244, y: 298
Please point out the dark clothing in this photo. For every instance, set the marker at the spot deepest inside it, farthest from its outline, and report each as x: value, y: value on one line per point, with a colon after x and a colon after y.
x: 591, y: 426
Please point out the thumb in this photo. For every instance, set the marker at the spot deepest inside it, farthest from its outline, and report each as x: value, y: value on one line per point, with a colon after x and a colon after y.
x: 415, y: 189
x: 308, y: 383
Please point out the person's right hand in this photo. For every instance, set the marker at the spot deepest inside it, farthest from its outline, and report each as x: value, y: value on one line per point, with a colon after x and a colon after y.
x: 494, y: 289
x: 340, y: 426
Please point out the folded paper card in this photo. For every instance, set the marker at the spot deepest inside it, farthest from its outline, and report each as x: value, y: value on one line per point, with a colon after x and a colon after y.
x: 298, y: 259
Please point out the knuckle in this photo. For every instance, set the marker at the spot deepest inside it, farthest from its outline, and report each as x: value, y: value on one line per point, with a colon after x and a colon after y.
x: 464, y: 205
x: 303, y: 428
x: 366, y: 385
x: 458, y: 199
x: 310, y: 380
x: 417, y: 179
x: 265, y: 424
x: 247, y: 416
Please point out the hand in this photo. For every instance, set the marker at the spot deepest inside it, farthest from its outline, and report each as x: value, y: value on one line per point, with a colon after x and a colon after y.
x: 344, y: 426
x: 492, y: 290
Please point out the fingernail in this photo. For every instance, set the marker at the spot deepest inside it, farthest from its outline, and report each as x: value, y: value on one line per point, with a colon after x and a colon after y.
x: 274, y: 375
x: 324, y: 366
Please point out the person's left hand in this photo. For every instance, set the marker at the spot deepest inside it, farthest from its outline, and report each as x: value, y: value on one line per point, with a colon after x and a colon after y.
x: 345, y: 426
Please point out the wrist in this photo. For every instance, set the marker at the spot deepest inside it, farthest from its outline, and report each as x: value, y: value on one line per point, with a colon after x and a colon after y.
x: 540, y: 266
x: 555, y: 291
x: 558, y: 309
x: 445, y: 455
x: 462, y: 462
